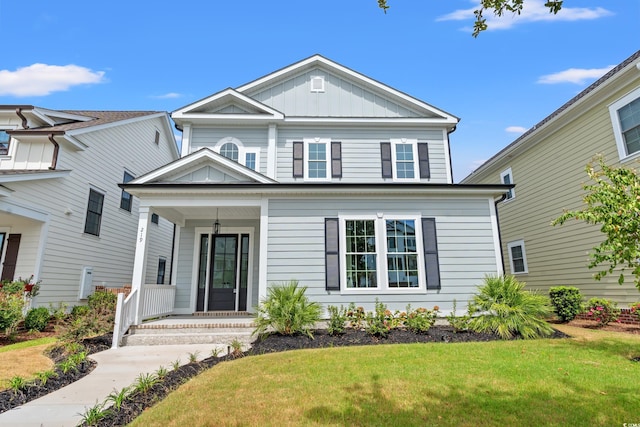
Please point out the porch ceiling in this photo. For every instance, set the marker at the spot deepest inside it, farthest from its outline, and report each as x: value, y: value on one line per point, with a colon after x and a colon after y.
x: 183, y: 213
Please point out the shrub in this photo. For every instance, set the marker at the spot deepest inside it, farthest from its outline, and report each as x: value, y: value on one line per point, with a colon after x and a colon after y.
x: 287, y: 310
x: 356, y: 316
x: 79, y: 310
x: 102, y: 302
x: 337, y: 320
x: 380, y: 321
x: 96, y: 319
x: 37, y: 319
x: 420, y: 320
x: 635, y: 309
x: 566, y: 301
x: 459, y: 323
x: 11, y: 307
x: 507, y: 309
x: 602, y: 310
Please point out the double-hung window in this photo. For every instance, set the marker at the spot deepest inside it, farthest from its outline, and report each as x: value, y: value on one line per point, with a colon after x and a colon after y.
x: 507, y: 178
x: 405, y: 159
x: 126, y: 199
x: 316, y: 156
x: 625, y: 118
x: 94, y: 212
x: 517, y: 257
x: 385, y: 253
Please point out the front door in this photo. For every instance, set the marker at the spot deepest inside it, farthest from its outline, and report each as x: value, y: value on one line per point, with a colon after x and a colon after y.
x: 223, y: 272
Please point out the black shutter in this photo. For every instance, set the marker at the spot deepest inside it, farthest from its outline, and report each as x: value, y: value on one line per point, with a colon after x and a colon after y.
x: 336, y: 159
x: 430, y: 243
x: 298, y: 159
x: 423, y: 158
x: 385, y: 155
x: 332, y: 254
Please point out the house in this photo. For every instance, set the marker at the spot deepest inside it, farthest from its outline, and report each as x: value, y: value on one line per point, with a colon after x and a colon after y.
x: 320, y: 174
x: 63, y: 218
x: 547, y: 165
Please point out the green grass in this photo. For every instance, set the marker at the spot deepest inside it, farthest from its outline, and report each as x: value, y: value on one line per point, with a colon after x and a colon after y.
x: 27, y: 344
x: 587, y: 380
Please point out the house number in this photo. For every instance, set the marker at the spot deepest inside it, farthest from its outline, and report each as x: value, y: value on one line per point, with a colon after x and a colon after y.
x: 141, y: 234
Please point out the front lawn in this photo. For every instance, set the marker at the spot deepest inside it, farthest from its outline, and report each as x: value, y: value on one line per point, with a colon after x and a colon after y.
x: 24, y: 359
x: 590, y: 379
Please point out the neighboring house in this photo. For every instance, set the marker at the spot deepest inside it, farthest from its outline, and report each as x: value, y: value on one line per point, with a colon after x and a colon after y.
x: 63, y: 218
x: 323, y: 175
x: 547, y: 165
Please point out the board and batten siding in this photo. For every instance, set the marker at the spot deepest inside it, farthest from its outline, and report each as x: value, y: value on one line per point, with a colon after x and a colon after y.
x: 466, y: 251
x: 361, y: 161
x: 110, y: 151
x: 549, y: 177
x: 340, y: 98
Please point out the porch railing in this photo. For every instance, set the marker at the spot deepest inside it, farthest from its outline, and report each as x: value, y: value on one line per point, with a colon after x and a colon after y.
x: 125, y: 316
x: 157, y: 300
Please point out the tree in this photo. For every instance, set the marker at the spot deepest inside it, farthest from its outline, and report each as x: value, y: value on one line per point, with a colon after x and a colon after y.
x: 498, y: 7
x: 613, y: 202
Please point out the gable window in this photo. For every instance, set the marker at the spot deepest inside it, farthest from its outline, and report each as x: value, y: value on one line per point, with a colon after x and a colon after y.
x: 230, y: 151
x: 382, y: 253
x: 625, y: 118
x: 517, y: 257
x: 317, y: 84
x: 126, y: 199
x: 162, y: 266
x: 506, y: 177
x: 94, y: 213
x: 405, y: 159
x: 5, y: 138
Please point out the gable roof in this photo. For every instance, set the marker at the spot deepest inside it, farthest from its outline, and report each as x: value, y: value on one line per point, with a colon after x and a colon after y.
x: 628, y: 64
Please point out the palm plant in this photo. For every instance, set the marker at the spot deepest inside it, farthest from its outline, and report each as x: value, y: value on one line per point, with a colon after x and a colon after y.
x: 508, y: 310
x: 287, y: 310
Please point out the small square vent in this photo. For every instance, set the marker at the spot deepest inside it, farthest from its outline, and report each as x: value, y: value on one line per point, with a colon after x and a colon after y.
x: 317, y: 84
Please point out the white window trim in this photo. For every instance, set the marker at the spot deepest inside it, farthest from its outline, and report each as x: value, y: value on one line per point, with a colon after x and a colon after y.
x: 314, y: 79
x: 615, y: 122
x: 416, y: 170
x: 524, y: 257
x: 242, y: 150
x: 513, y: 190
x: 327, y: 159
x: 381, y: 254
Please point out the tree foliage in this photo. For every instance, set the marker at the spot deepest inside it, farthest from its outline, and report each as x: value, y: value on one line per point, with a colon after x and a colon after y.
x: 612, y: 202
x: 498, y: 7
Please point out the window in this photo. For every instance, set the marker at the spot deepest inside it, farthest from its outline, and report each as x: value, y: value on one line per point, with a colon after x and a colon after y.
x: 251, y: 156
x: 506, y: 177
x: 405, y: 159
x: 5, y: 138
x: 517, y: 257
x: 155, y: 218
x: 162, y: 266
x: 126, y: 199
x: 316, y: 160
x: 230, y: 151
x: 625, y: 118
x: 381, y: 253
x: 156, y: 139
x: 94, y: 213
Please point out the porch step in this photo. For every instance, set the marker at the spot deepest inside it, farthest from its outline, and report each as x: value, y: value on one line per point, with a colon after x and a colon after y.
x: 192, y: 330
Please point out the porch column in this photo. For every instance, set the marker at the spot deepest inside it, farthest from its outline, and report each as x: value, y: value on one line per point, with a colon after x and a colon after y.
x: 174, y: 260
x: 139, y: 261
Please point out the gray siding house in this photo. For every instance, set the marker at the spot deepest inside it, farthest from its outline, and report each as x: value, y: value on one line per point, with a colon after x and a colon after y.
x: 63, y: 218
x: 321, y: 174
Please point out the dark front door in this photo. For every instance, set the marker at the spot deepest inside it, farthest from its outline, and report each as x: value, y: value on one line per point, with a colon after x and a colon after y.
x: 224, y: 272
x: 11, y: 257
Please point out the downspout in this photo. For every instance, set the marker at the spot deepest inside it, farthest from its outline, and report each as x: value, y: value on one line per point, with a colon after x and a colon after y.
x: 56, y: 148
x: 25, y: 123
x: 504, y: 196
x: 449, y: 132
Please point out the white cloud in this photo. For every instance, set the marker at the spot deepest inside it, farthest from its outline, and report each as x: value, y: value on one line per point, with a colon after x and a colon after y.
x: 516, y: 129
x: 575, y: 75
x: 169, y: 95
x: 532, y: 11
x: 43, y: 79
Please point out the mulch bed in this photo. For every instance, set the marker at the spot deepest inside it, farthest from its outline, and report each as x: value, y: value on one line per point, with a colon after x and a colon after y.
x: 10, y: 399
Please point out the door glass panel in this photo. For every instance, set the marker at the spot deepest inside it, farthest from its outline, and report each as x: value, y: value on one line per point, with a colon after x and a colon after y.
x: 224, y: 262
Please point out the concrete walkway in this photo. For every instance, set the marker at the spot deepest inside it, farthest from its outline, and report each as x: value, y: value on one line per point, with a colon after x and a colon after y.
x: 117, y: 368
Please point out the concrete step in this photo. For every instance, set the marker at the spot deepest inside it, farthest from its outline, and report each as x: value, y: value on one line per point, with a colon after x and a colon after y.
x: 178, y: 338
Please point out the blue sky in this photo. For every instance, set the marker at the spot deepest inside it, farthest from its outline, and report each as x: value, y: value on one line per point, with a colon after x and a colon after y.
x: 162, y: 55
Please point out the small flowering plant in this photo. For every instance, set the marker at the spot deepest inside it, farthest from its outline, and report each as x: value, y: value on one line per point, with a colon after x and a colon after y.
x: 635, y: 309
x: 602, y: 311
x: 420, y: 319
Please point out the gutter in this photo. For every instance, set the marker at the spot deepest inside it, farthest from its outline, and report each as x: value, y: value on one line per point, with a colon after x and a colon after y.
x: 56, y: 149
x: 25, y: 123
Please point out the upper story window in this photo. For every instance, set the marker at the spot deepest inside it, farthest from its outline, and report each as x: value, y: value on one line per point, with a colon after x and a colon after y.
x: 517, y: 257
x: 126, y: 199
x: 233, y: 149
x: 317, y: 159
x: 94, y: 212
x: 506, y: 177
x: 155, y: 219
x: 625, y: 118
x: 156, y: 138
x: 5, y: 138
x: 405, y: 159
